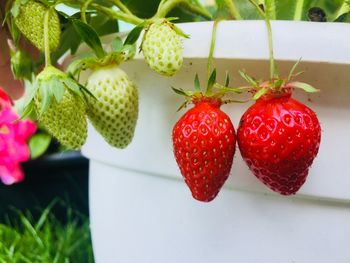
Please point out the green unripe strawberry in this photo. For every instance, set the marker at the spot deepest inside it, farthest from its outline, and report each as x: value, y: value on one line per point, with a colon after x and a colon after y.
x: 162, y: 47
x: 64, y: 119
x: 114, y: 114
x: 30, y: 21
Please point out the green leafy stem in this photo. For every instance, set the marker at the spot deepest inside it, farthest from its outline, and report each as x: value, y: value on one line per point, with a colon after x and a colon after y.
x: 126, y: 15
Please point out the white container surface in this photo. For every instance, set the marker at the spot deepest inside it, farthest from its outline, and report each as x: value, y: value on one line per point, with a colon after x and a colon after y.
x: 141, y: 211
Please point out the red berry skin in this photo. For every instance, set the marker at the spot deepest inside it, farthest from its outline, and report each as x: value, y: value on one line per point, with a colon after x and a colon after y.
x: 204, y: 144
x: 279, y: 138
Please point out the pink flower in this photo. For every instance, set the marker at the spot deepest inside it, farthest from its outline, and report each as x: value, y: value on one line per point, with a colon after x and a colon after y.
x: 13, y: 141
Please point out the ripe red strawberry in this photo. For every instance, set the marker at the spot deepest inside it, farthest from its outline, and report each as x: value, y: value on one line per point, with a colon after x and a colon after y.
x: 204, y: 145
x: 279, y: 138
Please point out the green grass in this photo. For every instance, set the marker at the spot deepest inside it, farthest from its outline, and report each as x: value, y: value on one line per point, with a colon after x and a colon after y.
x: 46, y: 240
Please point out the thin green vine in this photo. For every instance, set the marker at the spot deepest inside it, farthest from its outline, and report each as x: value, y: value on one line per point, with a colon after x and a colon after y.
x: 211, y: 54
x: 273, y: 74
x: 83, y: 10
x: 166, y: 6
x: 122, y: 7
x: 233, y: 10
x: 298, y: 10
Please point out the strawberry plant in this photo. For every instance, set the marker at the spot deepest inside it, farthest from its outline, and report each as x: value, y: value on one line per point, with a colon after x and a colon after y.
x: 278, y: 136
x: 204, y: 138
x: 109, y: 98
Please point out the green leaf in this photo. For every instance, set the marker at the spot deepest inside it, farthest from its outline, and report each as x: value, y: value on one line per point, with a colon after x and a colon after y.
x: 227, y: 79
x: 88, y: 92
x: 46, y: 98
x: 70, y: 40
x: 21, y: 65
x: 134, y: 34
x: 252, y: 81
x: 72, y: 85
x: 179, y: 91
x: 180, y: 32
x: 27, y: 111
x: 38, y: 144
x: 211, y: 81
x: 293, y: 69
x: 117, y: 44
x: 57, y: 88
x: 31, y: 89
x: 89, y: 36
x: 197, y: 84
x: 261, y: 92
x: 278, y: 83
x: 225, y: 89
x: 103, y: 24
x: 304, y: 86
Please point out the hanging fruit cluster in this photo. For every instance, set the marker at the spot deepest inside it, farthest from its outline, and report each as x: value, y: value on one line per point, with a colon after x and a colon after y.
x: 278, y: 137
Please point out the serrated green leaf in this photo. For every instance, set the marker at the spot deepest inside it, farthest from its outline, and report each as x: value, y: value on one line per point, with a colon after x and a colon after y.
x: 89, y: 36
x: 197, y: 84
x: 304, y: 86
x: 134, y: 34
x: 261, y: 92
x: 117, y: 44
x: 38, y: 144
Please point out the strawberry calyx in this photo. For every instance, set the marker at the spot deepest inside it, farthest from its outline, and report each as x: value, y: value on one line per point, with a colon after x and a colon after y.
x: 274, y: 88
x: 50, y: 85
x: 119, y: 53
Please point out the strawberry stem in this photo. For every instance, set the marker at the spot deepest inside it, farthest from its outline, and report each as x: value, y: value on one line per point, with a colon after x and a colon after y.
x: 233, y: 10
x: 298, y: 10
x: 210, y: 57
x: 266, y: 17
x: 83, y: 10
x: 47, y: 39
x: 119, y: 15
x: 167, y: 5
x: 122, y: 7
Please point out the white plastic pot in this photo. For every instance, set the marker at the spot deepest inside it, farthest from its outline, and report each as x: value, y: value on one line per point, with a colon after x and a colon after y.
x: 142, y: 211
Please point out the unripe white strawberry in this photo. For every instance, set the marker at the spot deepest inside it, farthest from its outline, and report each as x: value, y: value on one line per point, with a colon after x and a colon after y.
x: 114, y: 114
x: 162, y: 47
x: 64, y: 119
x: 30, y: 21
